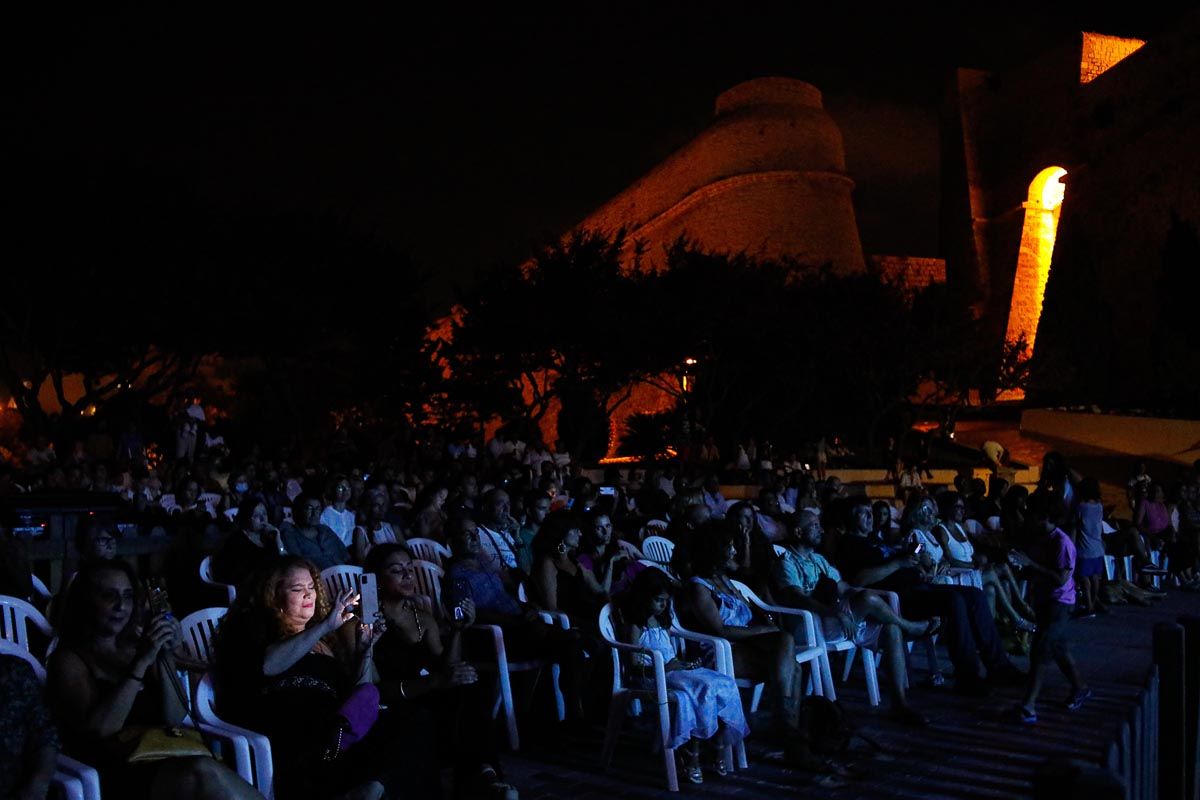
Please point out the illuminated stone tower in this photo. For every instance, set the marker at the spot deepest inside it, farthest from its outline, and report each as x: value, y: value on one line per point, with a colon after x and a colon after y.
x: 768, y: 177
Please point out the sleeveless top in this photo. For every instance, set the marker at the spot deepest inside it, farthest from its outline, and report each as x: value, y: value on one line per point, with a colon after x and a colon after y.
x: 959, y: 551
x: 931, y: 545
x: 734, y: 611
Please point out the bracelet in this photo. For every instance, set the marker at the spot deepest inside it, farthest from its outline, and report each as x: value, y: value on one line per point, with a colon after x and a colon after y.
x: 402, y: 694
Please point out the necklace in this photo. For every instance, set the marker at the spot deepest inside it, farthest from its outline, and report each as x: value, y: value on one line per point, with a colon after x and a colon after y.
x: 412, y: 607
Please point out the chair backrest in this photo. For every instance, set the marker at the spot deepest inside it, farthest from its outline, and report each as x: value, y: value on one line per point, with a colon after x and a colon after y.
x: 658, y: 548
x: 206, y: 577
x: 231, y: 514
x: 779, y: 550
x: 429, y: 550
x: 341, y: 578
x: 199, y: 627
x: 992, y: 523
x: 429, y: 580
x: 606, y: 630
x: 753, y: 599
x: 40, y: 589
x: 167, y: 501
x: 211, y: 499
x: 9, y: 649
x: 973, y: 527
x: 16, y: 615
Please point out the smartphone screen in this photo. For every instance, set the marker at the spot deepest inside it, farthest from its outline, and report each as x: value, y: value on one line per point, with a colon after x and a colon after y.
x: 368, y: 597
x: 608, y: 491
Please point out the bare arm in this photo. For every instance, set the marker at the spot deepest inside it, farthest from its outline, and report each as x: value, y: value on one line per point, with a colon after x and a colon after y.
x: 359, y: 545
x: 79, y: 703
x: 281, y: 655
x: 709, y: 617
x: 868, y: 576
x: 545, y: 584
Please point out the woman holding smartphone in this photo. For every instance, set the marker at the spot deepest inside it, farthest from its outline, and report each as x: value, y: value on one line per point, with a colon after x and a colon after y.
x: 449, y: 693
x: 113, y: 672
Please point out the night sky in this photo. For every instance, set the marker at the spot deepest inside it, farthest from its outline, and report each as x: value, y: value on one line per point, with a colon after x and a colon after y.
x: 467, y: 136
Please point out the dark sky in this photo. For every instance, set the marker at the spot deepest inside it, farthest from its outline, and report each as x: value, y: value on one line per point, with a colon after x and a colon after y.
x: 466, y: 136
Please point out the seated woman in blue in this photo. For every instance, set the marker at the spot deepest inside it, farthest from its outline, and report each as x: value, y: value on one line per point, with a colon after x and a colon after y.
x: 706, y: 705
x: 761, y: 650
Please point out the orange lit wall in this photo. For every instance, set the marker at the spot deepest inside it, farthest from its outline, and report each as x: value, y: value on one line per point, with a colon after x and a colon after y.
x: 1101, y: 53
x: 1037, y: 249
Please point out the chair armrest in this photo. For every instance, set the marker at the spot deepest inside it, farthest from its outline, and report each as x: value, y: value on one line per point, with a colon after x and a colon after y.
x: 241, y: 748
x: 497, y: 636
x: 810, y: 627
x: 722, y: 647
x: 660, y: 668
x: 556, y: 619
x: 253, y: 746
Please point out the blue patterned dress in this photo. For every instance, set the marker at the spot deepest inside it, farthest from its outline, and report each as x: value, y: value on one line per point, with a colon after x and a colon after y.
x: 701, y: 698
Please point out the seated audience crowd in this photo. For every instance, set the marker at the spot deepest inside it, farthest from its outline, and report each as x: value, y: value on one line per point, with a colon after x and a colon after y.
x: 374, y: 595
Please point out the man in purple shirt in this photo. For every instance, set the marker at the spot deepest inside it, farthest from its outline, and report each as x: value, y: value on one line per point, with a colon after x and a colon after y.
x: 1053, y: 570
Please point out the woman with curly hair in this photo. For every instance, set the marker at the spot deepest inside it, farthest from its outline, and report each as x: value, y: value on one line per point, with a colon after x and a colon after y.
x: 296, y: 666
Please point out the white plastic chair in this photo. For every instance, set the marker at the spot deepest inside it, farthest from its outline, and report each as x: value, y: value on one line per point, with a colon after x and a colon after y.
x: 341, y: 578
x: 992, y: 523
x: 16, y: 615
x: 199, y: 627
x: 811, y: 651
x: 429, y: 580
x: 231, y: 514
x: 630, y: 549
x: 206, y: 577
x: 722, y: 652
x: 973, y: 527
x: 253, y: 760
x: 658, y: 548
x: 40, y: 590
x: 167, y: 502
x: 624, y: 695
x: 211, y: 499
x: 429, y: 550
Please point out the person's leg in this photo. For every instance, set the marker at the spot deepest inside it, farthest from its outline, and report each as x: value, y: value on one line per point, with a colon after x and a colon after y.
x: 983, y: 630
x: 199, y: 779
x: 929, y: 600
x: 891, y: 644
x: 869, y: 605
x: 1013, y: 588
x: 998, y: 598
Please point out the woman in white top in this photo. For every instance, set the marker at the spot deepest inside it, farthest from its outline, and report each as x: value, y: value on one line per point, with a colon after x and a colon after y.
x: 996, y: 579
x: 373, y: 530
x: 339, y: 518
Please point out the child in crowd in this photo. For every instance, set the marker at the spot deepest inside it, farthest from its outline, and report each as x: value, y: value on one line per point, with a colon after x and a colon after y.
x: 706, y: 704
x: 1053, y: 572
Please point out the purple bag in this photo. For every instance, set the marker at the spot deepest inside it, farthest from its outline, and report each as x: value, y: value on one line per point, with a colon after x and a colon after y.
x: 354, y: 719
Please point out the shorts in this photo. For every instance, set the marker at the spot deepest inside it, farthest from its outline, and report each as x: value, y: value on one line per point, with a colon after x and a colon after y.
x: 1087, y: 567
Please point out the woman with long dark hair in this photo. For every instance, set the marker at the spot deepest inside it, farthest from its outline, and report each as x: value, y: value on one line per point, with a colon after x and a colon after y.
x: 112, y: 677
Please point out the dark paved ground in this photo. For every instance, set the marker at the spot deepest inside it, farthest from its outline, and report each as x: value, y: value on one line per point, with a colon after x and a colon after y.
x: 967, y: 752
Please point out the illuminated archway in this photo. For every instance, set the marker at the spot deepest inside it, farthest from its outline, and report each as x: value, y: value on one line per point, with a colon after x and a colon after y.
x: 1037, y: 248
